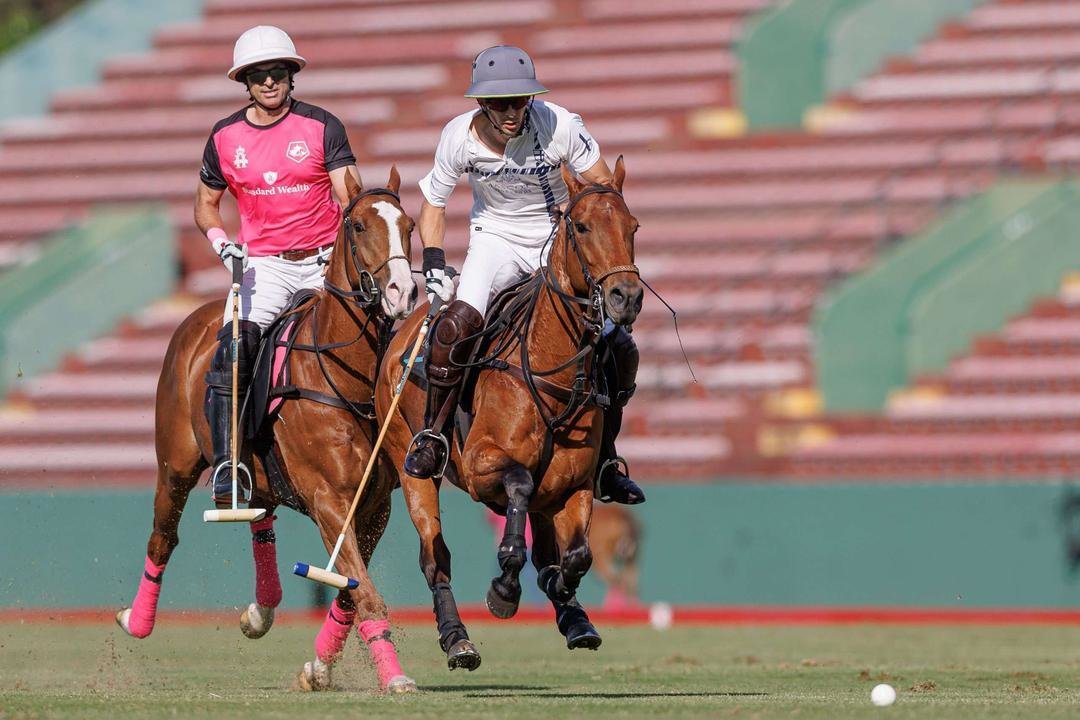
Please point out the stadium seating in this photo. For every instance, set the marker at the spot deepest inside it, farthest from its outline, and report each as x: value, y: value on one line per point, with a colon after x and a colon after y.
x: 740, y: 234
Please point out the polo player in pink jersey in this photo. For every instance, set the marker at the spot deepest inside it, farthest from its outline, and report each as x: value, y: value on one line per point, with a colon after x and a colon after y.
x: 285, y: 161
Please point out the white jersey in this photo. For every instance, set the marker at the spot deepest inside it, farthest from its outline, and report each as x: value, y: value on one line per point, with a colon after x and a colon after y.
x: 514, y: 194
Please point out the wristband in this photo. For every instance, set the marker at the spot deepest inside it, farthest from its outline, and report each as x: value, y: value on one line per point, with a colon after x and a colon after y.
x: 218, y: 239
x: 434, y: 259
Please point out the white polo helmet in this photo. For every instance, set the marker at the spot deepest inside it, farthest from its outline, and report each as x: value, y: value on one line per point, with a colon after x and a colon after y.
x: 260, y: 44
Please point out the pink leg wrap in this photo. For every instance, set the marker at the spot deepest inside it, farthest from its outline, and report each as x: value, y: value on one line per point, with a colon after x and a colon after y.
x: 376, y: 633
x: 335, y: 630
x: 267, y: 582
x: 144, y: 609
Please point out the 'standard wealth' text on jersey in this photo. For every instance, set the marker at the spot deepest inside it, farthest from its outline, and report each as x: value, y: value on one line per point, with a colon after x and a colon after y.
x: 279, y: 175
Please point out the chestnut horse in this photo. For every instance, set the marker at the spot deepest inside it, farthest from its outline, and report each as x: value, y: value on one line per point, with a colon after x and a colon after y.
x: 323, y: 448
x: 535, y: 433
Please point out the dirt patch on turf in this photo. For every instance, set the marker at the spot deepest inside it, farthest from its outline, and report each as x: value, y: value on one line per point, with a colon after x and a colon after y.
x: 882, y: 676
x: 923, y: 687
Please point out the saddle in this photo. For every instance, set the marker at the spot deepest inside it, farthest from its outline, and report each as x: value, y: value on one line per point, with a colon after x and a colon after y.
x: 505, y: 314
x: 271, y: 385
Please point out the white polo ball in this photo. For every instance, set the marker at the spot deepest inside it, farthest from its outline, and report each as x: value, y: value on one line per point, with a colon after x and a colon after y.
x: 883, y: 695
x: 661, y: 615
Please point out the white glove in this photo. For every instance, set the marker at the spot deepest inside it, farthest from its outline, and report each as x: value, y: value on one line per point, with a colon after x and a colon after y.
x: 231, y: 251
x: 438, y: 285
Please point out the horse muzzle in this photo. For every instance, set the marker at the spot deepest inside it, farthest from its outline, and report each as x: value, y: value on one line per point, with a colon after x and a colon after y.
x: 623, y: 302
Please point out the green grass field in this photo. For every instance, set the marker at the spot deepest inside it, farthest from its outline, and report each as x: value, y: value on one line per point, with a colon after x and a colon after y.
x: 210, y: 670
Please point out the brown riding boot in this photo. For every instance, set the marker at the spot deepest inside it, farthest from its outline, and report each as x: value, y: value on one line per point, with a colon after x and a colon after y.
x: 452, y: 340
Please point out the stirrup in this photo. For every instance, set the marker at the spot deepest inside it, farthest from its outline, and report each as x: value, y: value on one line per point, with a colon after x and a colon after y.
x: 615, y: 461
x: 242, y: 472
x: 437, y: 437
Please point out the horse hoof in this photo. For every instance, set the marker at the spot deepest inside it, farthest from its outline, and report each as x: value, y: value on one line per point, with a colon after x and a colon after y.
x: 315, y: 676
x: 401, y: 684
x: 123, y: 619
x: 256, y: 621
x: 463, y: 654
x: 500, y: 607
x: 583, y: 636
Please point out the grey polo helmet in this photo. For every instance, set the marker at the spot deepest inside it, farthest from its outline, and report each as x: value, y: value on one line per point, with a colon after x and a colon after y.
x: 503, y: 71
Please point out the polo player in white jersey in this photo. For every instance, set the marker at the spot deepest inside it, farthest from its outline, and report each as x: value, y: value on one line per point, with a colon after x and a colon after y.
x: 512, y: 148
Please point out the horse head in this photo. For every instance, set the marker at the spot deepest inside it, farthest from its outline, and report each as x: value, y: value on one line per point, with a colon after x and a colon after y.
x: 599, y: 231
x: 373, y: 248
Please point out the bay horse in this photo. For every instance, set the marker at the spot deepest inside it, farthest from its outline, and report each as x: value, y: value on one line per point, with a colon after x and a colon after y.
x: 322, y: 440
x: 535, y: 433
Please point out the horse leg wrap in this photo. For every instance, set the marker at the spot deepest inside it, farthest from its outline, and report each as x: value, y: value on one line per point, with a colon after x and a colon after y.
x: 376, y: 633
x: 264, y: 549
x: 570, y: 614
x: 575, y: 564
x: 144, y: 608
x: 334, y: 632
x: 551, y: 583
x: 451, y: 629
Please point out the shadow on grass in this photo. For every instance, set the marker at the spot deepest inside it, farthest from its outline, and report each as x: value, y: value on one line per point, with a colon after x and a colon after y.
x: 474, y: 688
x: 610, y: 695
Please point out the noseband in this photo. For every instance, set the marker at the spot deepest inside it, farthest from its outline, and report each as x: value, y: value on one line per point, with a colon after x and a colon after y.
x: 594, y: 292
x: 572, y: 237
x: 367, y: 292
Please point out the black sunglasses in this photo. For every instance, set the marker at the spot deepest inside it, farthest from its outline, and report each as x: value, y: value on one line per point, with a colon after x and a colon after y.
x: 258, y: 77
x: 505, y: 103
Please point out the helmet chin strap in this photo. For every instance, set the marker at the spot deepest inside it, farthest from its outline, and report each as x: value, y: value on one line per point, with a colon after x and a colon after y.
x: 267, y: 109
x: 521, y: 126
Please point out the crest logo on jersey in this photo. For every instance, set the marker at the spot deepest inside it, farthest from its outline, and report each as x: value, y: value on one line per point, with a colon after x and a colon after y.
x: 270, y: 177
x: 239, y: 159
x: 298, y: 151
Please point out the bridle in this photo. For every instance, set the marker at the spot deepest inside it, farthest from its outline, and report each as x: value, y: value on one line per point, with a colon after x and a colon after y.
x: 366, y: 293
x: 594, y: 294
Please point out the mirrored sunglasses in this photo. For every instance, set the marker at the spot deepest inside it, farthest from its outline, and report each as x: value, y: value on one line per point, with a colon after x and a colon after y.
x: 258, y: 77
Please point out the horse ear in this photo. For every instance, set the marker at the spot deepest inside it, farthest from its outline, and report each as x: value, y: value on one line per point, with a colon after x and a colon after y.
x: 394, y: 183
x: 352, y: 186
x: 572, y: 184
x: 619, y: 174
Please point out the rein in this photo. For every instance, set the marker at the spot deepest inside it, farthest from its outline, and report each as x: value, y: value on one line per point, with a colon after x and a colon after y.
x: 367, y: 296
x: 367, y: 290
x: 516, y: 319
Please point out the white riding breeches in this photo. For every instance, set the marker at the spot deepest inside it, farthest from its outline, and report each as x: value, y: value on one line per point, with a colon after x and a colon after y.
x: 493, y: 263
x: 269, y: 283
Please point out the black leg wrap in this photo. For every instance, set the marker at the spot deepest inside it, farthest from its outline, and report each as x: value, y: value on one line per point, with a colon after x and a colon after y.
x: 551, y: 583
x: 571, y: 618
x: 454, y: 641
x: 451, y: 629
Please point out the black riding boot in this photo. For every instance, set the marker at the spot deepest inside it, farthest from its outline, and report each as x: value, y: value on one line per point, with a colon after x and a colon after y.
x: 613, y: 483
x: 218, y: 406
x: 451, y: 336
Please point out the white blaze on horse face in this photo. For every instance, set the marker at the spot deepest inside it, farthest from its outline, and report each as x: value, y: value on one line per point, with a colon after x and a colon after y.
x: 399, y: 291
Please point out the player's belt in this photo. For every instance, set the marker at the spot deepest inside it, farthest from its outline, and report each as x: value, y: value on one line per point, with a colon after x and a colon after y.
x: 302, y: 254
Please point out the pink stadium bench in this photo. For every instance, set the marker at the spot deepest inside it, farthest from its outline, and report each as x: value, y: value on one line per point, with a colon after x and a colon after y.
x: 623, y: 9
x: 1048, y: 15
x: 636, y: 36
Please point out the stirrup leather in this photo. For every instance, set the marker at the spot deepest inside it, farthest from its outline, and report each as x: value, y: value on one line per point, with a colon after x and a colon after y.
x: 437, y: 437
x: 242, y: 472
x: 616, y: 461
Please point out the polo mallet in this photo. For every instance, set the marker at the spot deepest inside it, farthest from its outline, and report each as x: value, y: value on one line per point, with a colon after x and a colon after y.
x: 328, y: 576
x: 235, y: 514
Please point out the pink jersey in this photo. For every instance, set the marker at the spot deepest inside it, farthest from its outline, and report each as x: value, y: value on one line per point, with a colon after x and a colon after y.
x: 279, y: 174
